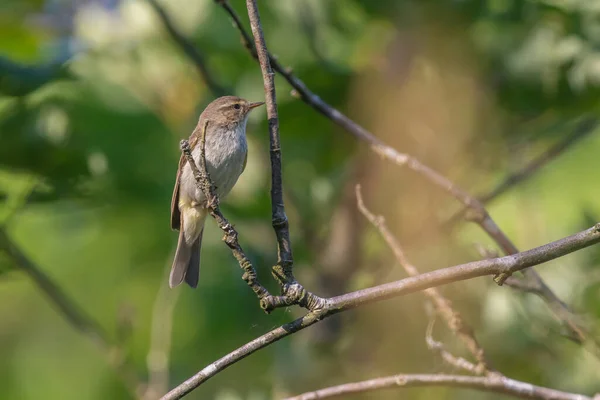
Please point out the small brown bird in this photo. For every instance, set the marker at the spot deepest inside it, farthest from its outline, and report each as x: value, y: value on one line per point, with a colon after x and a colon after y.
x: 226, y: 152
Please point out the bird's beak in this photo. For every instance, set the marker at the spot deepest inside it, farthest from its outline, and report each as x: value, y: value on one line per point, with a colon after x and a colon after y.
x: 256, y: 104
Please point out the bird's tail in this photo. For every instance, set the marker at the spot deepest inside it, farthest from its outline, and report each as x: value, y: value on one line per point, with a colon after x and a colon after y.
x: 186, y: 265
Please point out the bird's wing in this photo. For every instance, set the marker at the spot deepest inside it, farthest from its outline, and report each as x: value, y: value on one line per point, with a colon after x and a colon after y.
x: 175, y: 214
x: 245, y: 161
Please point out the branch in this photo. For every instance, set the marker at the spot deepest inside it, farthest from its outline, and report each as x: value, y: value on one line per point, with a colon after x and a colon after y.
x: 79, y: 320
x: 495, y: 384
x: 334, y: 305
x: 583, y: 129
x: 448, y: 357
x: 476, y: 211
x: 283, y: 271
x: 189, y: 50
x: 442, y: 305
x: 157, y: 359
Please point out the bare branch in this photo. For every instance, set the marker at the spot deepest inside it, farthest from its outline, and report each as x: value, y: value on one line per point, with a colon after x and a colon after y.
x: 334, y: 305
x: 450, y: 358
x: 189, y: 50
x: 442, y: 305
x: 157, y: 359
x: 283, y: 271
x: 76, y: 317
x: 495, y: 384
x: 584, y: 128
x: 280, y: 221
x: 476, y: 211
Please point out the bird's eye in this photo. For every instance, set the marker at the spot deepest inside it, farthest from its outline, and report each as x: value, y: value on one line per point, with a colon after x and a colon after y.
x: 237, y: 106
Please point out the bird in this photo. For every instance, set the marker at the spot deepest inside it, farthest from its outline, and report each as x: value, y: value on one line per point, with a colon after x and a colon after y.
x: 226, y: 153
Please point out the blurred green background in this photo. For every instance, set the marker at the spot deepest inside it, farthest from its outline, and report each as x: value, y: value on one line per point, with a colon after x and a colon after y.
x: 95, y: 95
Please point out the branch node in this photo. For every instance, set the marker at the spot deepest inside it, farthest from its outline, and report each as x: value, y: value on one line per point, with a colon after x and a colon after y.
x: 280, y: 221
x: 400, y: 380
x: 501, y: 278
x: 475, y: 213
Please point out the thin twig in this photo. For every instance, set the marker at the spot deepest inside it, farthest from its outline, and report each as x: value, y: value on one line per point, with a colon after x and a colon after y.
x: 74, y: 315
x: 442, y: 305
x: 495, y: 384
x: 157, y: 359
x: 283, y: 271
x: 584, y: 128
x: 448, y: 357
x: 477, y: 212
x: 334, y: 305
x: 189, y: 49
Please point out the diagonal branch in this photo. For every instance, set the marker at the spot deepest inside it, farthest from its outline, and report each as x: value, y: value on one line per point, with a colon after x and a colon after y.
x: 442, y: 305
x: 334, y: 305
x: 448, y: 357
x: 476, y: 210
x: 189, y: 50
x: 76, y: 317
x: 494, y: 384
x: 584, y: 128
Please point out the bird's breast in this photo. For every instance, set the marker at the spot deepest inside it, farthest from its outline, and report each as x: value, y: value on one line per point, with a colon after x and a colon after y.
x: 226, y: 151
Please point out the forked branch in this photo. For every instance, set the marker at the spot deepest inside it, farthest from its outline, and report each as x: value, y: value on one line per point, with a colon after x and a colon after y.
x: 334, y: 305
x: 442, y: 305
x: 283, y: 271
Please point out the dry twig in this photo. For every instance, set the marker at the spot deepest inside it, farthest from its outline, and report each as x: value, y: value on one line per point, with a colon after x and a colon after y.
x: 584, y: 128
x: 448, y: 357
x: 495, y: 384
x: 442, y: 305
x: 157, y: 359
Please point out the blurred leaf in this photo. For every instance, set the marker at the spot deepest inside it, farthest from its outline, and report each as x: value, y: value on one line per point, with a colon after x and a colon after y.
x: 21, y: 80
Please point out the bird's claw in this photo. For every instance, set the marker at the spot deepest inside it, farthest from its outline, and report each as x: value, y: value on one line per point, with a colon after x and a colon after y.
x: 212, y: 202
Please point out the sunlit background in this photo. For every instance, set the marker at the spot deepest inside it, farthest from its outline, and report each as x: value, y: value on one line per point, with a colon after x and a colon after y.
x: 95, y: 96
